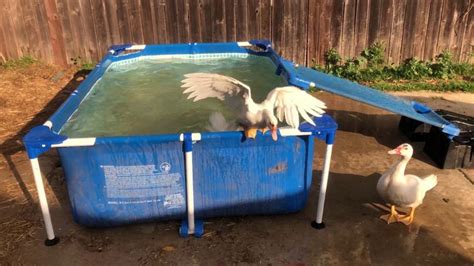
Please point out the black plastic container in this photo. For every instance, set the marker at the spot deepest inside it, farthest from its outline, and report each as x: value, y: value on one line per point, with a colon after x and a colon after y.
x: 445, y: 152
x: 455, y: 153
x: 414, y: 129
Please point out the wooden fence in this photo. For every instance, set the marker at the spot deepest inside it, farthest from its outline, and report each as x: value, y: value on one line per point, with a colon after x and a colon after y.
x: 58, y: 30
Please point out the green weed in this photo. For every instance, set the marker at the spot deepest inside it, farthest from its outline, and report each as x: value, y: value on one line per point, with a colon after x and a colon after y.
x: 82, y: 64
x: 370, y: 67
x: 19, y: 63
x: 374, y: 54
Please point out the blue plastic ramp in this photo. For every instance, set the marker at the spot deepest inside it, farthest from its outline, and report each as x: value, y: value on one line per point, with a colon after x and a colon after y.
x: 306, y: 77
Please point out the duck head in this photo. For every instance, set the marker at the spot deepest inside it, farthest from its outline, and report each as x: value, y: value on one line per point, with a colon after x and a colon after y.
x: 405, y: 150
x: 272, y: 124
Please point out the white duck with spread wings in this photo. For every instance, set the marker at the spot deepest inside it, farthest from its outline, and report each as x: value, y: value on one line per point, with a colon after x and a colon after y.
x: 289, y: 102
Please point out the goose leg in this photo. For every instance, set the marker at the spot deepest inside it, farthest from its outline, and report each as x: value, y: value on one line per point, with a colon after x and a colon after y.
x: 392, y: 217
x: 263, y: 130
x: 250, y: 133
x: 408, y: 219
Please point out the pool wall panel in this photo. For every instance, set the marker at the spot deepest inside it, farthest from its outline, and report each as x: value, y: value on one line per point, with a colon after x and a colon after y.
x: 118, y: 183
x: 235, y: 177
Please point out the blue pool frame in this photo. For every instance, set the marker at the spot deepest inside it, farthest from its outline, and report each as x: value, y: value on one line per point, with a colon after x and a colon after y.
x: 223, y: 179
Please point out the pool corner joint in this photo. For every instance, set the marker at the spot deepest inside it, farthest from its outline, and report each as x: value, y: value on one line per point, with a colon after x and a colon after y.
x: 325, y: 128
x: 40, y: 139
x: 117, y: 49
x: 262, y: 44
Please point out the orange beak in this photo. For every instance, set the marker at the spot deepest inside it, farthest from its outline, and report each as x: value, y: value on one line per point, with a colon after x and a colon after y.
x: 274, y: 133
x: 395, y: 151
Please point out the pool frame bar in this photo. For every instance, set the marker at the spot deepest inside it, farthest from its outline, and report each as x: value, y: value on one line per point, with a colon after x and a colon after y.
x: 42, y: 138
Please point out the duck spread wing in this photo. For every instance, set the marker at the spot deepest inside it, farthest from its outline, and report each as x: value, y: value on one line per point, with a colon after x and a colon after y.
x: 290, y: 102
x: 206, y: 85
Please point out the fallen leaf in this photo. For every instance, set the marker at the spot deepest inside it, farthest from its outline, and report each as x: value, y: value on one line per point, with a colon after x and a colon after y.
x: 209, y: 234
x: 168, y: 248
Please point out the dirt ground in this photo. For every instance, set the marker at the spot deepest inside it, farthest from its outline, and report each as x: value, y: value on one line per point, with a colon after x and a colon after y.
x: 443, y: 232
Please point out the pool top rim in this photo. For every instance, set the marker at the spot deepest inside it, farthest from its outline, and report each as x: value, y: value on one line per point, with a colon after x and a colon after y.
x: 205, y: 50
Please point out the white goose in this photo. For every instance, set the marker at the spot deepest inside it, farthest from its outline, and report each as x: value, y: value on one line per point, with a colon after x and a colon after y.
x: 403, y: 190
x: 290, y: 102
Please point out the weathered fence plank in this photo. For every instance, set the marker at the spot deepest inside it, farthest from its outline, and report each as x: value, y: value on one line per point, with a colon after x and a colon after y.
x: 58, y: 30
x: 467, y: 50
x: 314, y: 21
x: 432, y: 28
x: 396, y: 30
x: 148, y: 22
x: 102, y: 33
x: 362, y: 25
x: 463, y: 9
x: 347, y: 46
x: 112, y: 20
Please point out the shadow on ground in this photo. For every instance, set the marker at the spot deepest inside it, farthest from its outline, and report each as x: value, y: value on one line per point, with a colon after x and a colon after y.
x: 356, y: 117
x: 14, y: 144
x: 351, y: 214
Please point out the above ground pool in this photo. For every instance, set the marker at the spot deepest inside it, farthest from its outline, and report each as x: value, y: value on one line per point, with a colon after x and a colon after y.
x: 134, y: 149
x: 138, y: 173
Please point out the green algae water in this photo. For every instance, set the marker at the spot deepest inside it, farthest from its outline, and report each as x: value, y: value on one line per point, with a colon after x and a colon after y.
x: 145, y: 97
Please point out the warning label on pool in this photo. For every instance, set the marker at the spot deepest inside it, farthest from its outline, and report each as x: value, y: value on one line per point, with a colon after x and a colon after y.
x: 131, y: 184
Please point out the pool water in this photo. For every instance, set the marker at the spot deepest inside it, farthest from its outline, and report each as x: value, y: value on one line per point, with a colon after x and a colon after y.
x: 145, y: 97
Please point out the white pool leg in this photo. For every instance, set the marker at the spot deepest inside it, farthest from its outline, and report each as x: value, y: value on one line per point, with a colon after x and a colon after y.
x: 190, y: 191
x: 43, y: 203
x: 322, y: 192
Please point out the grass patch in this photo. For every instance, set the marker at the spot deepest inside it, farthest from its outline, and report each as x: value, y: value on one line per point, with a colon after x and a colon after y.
x: 370, y: 68
x: 22, y: 62
x: 441, y: 86
x: 87, y: 66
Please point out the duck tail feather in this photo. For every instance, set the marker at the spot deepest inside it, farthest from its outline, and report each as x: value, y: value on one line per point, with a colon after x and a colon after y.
x: 430, y: 182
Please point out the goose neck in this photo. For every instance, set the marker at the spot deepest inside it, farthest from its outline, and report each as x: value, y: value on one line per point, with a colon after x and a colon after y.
x: 400, y: 169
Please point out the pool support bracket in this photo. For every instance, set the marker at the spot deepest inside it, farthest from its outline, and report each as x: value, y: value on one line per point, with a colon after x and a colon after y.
x: 190, y: 226
x: 39, y: 140
x: 325, y: 129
